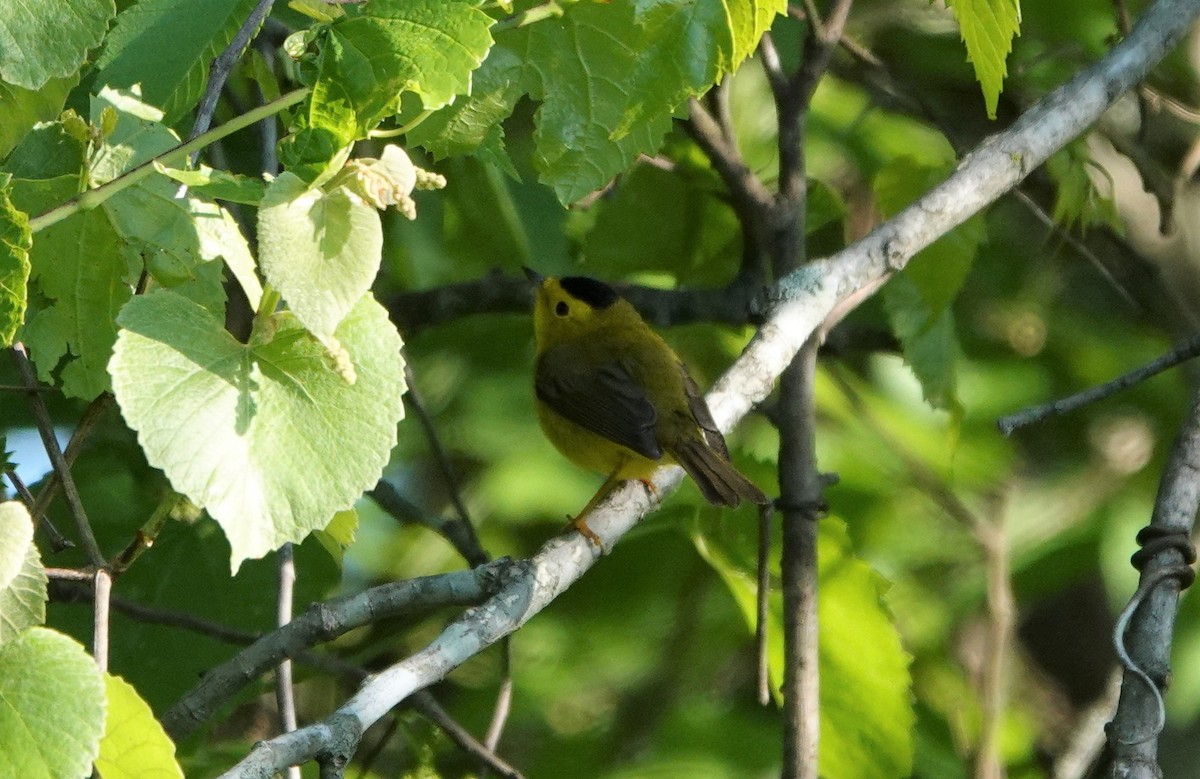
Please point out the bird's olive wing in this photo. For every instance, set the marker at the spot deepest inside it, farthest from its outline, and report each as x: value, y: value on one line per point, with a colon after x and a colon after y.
x: 606, y: 401
x: 702, y: 414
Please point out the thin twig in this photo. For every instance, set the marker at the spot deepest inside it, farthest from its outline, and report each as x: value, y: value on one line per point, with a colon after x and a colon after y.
x: 50, y: 442
x: 442, y: 457
x: 219, y: 70
x: 763, y: 606
x: 993, y: 697
x: 1185, y: 351
x: 69, y: 574
x: 83, y: 430
x: 58, y: 541
x: 425, y: 703
x: 504, y: 696
x: 453, y: 530
x: 285, y: 694
x: 102, y: 584
x: 324, y: 622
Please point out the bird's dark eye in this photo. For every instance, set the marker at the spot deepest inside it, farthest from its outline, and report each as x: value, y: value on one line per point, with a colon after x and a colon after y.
x: 561, y: 309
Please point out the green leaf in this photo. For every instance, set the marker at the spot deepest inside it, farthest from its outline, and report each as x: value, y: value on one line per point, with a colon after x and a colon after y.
x: 41, y: 41
x: 610, y: 75
x: 23, y: 600
x: 988, y: 28
x: 939, y: 270
x: 16, y: 534
x: 338, y: 535
x: 218, y: 184
x: 321, y: 250
x: 23, y: 108
x: 929, y: 342
x: 267, y: 436
x: 51, y: 706
x: 866, y: 702
x: 366, y: 59
x: 87, y: 264
x: 134, y: 744
x: 167, y: 46
x: 15, y: 242
x: 1078, y: 202
x: 79, y: 265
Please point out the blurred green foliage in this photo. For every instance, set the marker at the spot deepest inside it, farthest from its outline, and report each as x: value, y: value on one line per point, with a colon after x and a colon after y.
x: 646, y: 667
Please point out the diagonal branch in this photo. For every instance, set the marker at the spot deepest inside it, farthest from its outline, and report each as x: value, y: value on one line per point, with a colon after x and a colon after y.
x: 803, y: 300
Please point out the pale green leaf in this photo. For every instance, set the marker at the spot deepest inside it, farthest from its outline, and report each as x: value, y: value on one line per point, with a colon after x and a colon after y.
x: 23, y: 601
x: 167, y: 46
x: 15, y: 243
x: 51, y: 706
x: 134, y: 745
x: 338, y: 535
x: 23, y: 108
x: 866, y: 706
x: 16, y: 534
x: 221, y: 237
x: 218, y: 184
x: 43, y: 40
x: 139, y: 134
x: 321, y: 250
x: 988, y: 28
x: 267, y: 436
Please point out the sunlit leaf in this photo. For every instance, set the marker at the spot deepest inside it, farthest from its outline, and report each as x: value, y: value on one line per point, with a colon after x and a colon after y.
x: 53, y: 712
x: 268, y: 437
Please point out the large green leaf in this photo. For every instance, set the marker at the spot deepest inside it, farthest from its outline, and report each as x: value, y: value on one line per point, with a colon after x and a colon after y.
x: 15, y: 242
x: 41, y: 41
x: 269, y: 436
x: 86, y: 265
x: 988, y: 28
x: 22, y: 578
x: 866, y: 702
x: 320, y: 249
x: 167, y: 46
x: 16, y: 534
x: 51, y: 706
x: 134, y: 744
x: 23, y: 108
x: 23, y: 600
x: 367, y: 58
x: 609, y: 76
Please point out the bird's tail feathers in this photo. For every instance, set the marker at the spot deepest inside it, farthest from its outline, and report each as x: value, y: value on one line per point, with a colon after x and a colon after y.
x: 718, y: 480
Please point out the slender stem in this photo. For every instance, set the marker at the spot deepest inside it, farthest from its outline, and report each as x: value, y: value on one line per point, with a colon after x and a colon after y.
x: 285, y: 696
x: 94, y: 197
x: 83, y: 430
x: 144, y: 538
x: 58, y: 541
x: 220, y: 68
x: 428, y: 706
x: 404, y: 129
x: 1181, y: 353
x: 100, y: 612
x: 989, y: 764
x: 763, y: 595
x: 550, y: 10
x: 442, y: 457
x: 50, y: 442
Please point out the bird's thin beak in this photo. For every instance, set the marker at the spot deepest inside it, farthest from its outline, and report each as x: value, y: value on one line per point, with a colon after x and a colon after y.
x: 533, y: 275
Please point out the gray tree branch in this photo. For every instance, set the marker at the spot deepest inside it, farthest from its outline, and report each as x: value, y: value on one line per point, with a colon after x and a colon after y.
x: 802, y: 301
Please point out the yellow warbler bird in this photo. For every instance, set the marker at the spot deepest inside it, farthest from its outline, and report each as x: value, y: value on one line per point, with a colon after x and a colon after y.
x: 615, y: 398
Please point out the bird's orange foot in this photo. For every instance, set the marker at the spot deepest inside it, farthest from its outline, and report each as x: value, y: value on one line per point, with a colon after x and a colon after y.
x: 580, y: 524
x: 650, y: 487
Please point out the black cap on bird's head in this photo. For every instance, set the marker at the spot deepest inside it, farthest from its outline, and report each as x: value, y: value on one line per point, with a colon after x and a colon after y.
x: 595, y: 293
